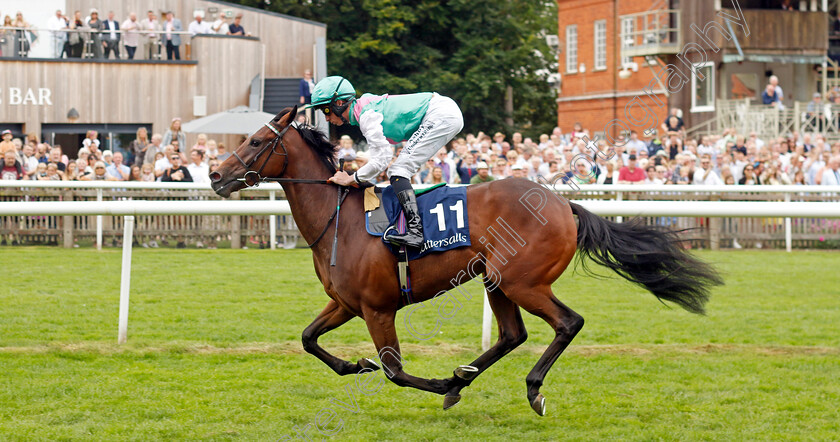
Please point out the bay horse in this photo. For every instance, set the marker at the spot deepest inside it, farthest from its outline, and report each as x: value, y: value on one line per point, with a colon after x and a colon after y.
x: 518, y: 267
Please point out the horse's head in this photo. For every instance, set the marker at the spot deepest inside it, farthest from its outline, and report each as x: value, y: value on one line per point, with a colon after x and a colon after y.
x: 263, y: 154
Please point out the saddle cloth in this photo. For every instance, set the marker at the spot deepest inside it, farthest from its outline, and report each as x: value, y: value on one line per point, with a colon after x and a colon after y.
x: 443, y: 212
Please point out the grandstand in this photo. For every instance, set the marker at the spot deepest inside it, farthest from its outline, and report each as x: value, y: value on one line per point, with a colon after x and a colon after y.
x: 60, y: 99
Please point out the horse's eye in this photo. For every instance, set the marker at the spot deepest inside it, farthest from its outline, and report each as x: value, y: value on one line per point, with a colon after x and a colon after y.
x: 255, y: 143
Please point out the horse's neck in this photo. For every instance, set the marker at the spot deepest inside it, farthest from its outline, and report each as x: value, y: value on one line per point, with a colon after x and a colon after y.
x: 311, y: 204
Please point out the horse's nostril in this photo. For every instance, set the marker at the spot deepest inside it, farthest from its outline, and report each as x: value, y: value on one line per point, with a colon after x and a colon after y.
x: 215, y: 177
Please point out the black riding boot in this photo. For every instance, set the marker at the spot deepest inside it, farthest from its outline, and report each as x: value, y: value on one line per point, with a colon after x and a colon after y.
x: 413, y: 236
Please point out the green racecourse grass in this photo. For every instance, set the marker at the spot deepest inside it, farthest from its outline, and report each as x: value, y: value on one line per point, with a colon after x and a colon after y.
x: 214, y: 353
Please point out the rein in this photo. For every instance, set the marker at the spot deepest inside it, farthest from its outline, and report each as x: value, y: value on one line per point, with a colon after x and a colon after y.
x: 343, y: 194
x: 258, y: 178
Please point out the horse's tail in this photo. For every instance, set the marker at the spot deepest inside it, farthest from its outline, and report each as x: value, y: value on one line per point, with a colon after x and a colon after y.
x: 646, y: 255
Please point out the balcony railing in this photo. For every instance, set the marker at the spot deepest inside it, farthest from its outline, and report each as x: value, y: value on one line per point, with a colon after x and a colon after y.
x: 749, y: 115
x: 651, y: 33
x: 17, y: 42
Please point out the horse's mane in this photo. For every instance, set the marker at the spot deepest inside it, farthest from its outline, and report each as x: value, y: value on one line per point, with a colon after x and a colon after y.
x: 316, y: 140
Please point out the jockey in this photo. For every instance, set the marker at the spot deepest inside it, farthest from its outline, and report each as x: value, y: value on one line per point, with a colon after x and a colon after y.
x: 427, y: 120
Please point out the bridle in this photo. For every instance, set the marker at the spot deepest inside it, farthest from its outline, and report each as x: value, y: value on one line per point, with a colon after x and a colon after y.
x: 271, y: 147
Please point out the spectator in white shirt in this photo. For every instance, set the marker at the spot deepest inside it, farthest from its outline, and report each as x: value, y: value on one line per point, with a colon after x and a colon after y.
x: 705, y: 174
x: 162, y: 162
x: 774, y: 81
x: 707, y: 148
x: 199, y: 26
x: 30, y: 162
x: 92, y: 139
x: 132, y: 37
x: 198, y: 169
x: 831, y: 172
x: 56, y: 24
x: 220, y: 26
x: 759, y: 143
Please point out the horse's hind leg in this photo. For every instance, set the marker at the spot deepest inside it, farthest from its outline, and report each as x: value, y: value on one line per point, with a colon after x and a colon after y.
x: 381, y: 326
x: 566, y: 324
x: 332, y: 317
x: 511, y: 334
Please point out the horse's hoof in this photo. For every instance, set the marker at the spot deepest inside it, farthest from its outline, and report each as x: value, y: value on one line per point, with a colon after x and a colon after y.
x: 466, y: 372
x: 369, y: 364
x: 450, y: 400
x: 538, y: 404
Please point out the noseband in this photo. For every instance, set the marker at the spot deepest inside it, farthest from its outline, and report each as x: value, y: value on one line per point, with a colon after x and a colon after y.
x: 271, y: 147
x: 273, y: 150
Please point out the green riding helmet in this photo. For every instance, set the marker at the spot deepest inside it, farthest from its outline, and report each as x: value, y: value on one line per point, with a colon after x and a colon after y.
x: 331, y: 89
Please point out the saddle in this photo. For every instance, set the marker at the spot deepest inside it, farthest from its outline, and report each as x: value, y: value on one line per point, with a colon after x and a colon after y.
x: 442, y: 212
x: 376, y: 219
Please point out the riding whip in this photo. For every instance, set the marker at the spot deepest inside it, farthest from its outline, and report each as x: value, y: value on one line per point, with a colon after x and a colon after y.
x: 337, y: 214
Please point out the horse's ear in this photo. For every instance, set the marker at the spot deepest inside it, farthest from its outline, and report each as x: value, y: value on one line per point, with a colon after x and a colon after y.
x: 287, y: 119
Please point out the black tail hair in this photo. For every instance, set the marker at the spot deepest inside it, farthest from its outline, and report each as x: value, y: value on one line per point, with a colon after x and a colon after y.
x: 649, y: 256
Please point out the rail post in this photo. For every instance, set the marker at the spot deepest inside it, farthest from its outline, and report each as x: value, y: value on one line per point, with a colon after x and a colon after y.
x: 272, y: 222
x: 715, y: 225
x: 125, y: 278
x: 67, y: 224
x: 236, y: 231
x: 788, y: 233
x: 99, y: 221
x: 619, y: 196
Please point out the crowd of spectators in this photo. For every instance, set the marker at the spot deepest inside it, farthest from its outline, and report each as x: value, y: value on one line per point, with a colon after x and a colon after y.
x: 663, y: 157
x: 159, y: 157
x: 96, y: 37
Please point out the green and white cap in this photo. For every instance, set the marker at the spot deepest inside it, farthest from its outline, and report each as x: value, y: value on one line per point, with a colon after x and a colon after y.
x: 331, y: 89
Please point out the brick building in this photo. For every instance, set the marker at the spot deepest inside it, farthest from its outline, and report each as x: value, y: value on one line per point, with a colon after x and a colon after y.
x: 697, y: 56
x: 592, y: 91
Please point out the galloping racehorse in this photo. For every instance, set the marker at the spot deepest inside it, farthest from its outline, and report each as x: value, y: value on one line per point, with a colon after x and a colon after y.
x: 519, y: 266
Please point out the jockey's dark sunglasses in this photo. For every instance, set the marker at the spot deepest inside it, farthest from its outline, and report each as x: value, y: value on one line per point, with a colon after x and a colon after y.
x: 326, y: 110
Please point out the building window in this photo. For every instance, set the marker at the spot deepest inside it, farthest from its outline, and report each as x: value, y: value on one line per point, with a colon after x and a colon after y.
x: 703, y: 92
x: 600, y: 45
x: 628, y: 27
x: 571, y: 49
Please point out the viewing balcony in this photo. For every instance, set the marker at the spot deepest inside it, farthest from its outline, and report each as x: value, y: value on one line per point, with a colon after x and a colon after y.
x: 651, y: 33
x: 776, y: 36
x: 750, y: 115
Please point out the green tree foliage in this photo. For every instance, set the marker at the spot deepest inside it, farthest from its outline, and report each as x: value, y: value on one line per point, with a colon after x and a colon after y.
x: 470, y: 50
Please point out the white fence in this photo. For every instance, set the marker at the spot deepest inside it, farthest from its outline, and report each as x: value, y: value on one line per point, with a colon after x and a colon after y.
x: 689, y: 204
x: 617, y: 207
x: 101, y: 187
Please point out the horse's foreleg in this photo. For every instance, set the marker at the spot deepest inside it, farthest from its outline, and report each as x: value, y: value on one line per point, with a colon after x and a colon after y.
x: 332, y: 317
x: 511, y: 334
x: 381, y: 327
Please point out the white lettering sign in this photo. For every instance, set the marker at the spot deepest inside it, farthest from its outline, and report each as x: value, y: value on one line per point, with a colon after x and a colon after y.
x: 18, y: 96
